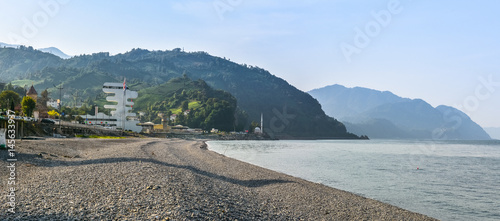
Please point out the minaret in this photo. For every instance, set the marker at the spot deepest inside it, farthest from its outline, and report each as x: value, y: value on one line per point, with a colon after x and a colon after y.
x: 261, y: 122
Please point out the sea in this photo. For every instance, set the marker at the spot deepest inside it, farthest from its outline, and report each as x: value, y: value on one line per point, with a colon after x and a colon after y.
x: 447, y: 180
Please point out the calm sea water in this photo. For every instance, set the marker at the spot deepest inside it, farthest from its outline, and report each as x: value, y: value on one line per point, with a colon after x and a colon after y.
x: 448, y: 180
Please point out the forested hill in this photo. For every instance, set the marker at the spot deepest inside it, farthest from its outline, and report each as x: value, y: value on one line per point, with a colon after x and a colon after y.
x: 191, y: 103
x: 288, y: 112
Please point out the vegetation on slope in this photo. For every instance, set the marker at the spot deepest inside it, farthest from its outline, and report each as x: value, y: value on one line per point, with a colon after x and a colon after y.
x: 288, y: 112
x: 194, y: 103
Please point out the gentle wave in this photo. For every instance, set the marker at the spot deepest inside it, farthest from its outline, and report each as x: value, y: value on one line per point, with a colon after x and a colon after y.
x: 448, y: 180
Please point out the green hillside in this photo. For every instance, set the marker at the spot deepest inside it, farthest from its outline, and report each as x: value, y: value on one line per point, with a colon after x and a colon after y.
x: 208, y: 108
x: 288, y: 112
x: 16, y: 64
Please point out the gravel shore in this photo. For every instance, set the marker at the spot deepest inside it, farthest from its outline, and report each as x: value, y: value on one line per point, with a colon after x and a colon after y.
x: 166, y: 179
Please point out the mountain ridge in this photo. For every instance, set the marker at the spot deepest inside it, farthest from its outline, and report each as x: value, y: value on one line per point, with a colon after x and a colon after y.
x: 55, y: 51
x: 51, y: 50
x: 288, y: 112
x: 363, y: 99
x: 385, y: 115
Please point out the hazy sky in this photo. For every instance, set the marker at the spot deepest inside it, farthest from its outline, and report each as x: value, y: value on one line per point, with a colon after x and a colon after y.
x: 445, y: 52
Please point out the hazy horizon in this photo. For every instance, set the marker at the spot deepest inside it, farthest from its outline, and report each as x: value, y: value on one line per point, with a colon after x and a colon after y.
x: 445, y: 53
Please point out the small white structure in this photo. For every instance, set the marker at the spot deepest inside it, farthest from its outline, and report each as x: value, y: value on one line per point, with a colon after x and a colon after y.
x: 121, y: 110
x: 257, y: 130
x: 101, y: 119
x: 52, y: 103
x: 173, y: 117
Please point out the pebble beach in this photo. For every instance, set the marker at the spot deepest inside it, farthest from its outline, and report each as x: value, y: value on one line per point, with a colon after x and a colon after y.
x: 166, y: 179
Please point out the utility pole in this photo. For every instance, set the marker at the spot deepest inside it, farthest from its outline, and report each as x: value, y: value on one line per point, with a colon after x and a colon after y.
x: 60, y: 96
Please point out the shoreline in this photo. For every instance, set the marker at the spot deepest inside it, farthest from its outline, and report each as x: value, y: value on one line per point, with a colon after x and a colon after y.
x: 166, y: 179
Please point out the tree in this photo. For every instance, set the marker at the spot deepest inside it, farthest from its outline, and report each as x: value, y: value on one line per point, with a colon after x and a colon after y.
x: 253, y: 125
x: 42, y: 101
x: 79, y: 119
x: 9, y: 97
x: 84, y: 109
x: 169, y: 113
x: 185, y: 106
x: 9, y: 87
x: 180, y: 119
x: 28, y: 105
x: 241, y: 118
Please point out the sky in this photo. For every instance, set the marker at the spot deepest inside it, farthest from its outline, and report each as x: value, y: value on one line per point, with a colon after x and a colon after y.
x: 445, y: 52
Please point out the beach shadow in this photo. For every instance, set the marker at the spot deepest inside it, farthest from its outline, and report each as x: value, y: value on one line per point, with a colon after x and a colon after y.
x: 37, y: 160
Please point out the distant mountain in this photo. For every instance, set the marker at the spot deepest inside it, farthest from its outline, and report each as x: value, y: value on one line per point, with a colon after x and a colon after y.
x: 385, y: 115
x: 56, y: 52
x: 494, y: 132
x: 4, y: 45
x: 288, y: 112
x: 51, y: 50
x: 16, y: 63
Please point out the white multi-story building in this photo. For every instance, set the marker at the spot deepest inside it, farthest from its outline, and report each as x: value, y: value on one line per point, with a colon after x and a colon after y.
x: 52, y: 103
x: 121, y: 110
